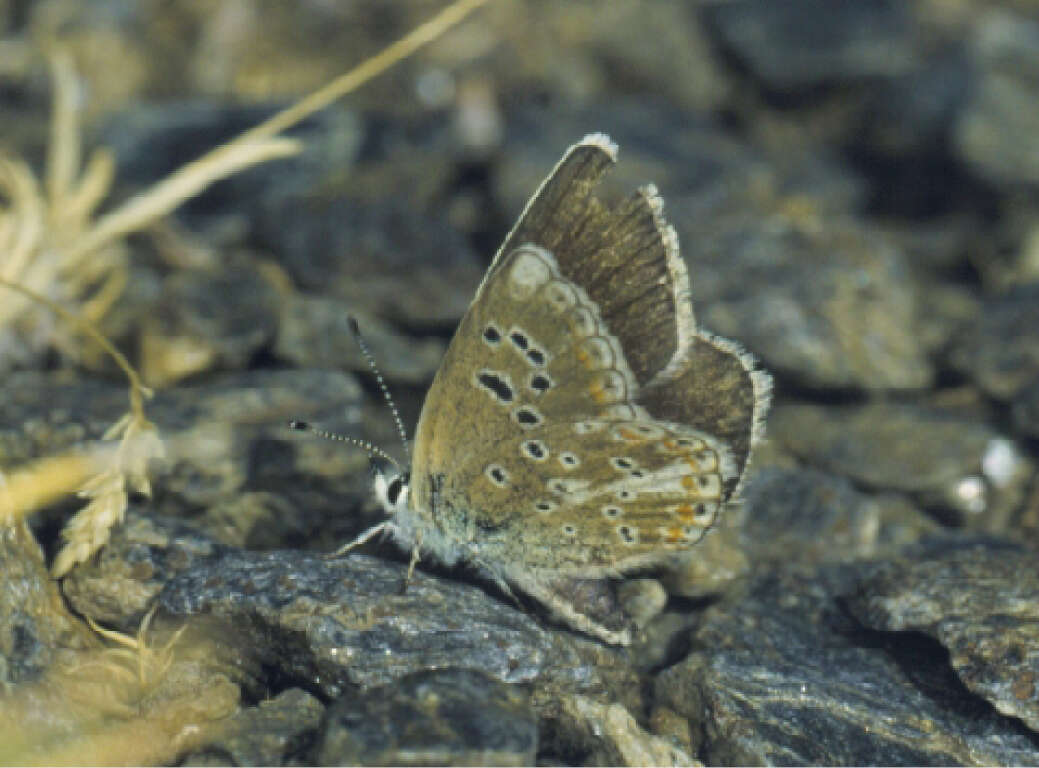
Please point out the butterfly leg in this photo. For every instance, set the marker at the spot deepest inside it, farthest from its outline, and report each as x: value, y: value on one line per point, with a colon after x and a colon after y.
x: 415, y: 555
x: 364, y: 538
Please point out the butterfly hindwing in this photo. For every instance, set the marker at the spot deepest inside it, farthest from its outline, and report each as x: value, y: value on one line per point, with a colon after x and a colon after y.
x: 718, y: 390
x: 601, y: 496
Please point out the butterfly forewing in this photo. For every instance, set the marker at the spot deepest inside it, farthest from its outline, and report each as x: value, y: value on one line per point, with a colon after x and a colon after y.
x: 624, y: 255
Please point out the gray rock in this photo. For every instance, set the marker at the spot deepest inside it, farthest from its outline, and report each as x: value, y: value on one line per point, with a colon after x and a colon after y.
x: 313, y: 333
x: 797, y: 287
x: 958, y: 466
x: 384, y: 257
x: 35, y: 626
x: 980, y: 600
x: 1026, y: 410
x: 997, y: 133
x: 207, y: 320
x: 273, y: 732
x: 44, y: 413
x: 804, y: 43
x: 909, y: 120
x: 1000, y: 352
x: 118, y: 585
x: 343, y: 623
x: 445, y: 716
x: 807, y: 516
x: 780, y: 675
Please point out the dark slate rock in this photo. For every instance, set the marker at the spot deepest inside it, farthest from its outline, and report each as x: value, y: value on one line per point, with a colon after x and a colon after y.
x: 335, y: 216
x: 807, y: 516
x: 797, y: 287
x: 677, y: 151
x: 978, y: 599
x: 381, y: 256
x: 910, y: 115
x: 446, y: 716
x: 228, y: 438
x: 36, y: 628
x: 119, y: 584
x: 274, y: 732
x: 799, y: 44
x: 44, y: 413
x: 1000, y: 352
x: 683, y: 154
x: 313, y: 333
x: 781, y: 675
x: 996, y: 134
x: 958, y: 466
x: 208, y: 320
x: 1026, y: 410
x: 334, y: 625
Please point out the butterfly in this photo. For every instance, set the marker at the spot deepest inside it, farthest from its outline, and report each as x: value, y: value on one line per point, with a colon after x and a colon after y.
x: 581, y: 426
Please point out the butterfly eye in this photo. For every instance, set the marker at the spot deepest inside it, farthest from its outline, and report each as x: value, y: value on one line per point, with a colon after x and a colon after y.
x: 393, y: 490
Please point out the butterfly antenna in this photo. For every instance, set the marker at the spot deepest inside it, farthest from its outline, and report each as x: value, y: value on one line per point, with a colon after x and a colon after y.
x: 356, y: 331
x: 364, y: 445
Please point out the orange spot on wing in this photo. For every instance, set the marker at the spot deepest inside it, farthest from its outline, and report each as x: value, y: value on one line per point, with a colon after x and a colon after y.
x: 597, y: 392
x: 686, y: 513
x: 627, y: 434
x: 674, y: 535
x: 689, y: 482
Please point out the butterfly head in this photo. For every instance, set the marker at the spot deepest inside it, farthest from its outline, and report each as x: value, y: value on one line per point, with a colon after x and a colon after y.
x: 391, y: 487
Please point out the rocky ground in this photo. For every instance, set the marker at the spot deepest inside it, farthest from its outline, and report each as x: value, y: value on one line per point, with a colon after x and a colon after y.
x: 856, y: 191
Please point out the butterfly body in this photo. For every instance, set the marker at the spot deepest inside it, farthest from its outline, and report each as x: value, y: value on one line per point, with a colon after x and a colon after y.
x: 580, y: 426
